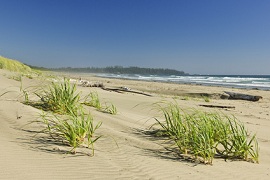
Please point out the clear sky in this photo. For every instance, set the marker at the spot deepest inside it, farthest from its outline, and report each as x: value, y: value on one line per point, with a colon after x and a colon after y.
x: 196, y: 36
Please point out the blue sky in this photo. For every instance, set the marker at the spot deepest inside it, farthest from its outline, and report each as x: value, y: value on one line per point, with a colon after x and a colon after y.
x: 196, y: 36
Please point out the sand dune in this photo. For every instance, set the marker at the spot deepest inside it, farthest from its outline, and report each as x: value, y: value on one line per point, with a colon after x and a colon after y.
x: 125, y: 150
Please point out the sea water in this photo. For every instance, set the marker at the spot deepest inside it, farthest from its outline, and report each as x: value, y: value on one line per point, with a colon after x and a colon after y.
x: 261, y: 82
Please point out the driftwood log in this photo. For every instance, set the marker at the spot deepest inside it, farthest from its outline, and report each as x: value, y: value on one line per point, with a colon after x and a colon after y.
x: 120, y: 90
x: 216, y: 106
x: 247, y: 97
x: 85, y: 83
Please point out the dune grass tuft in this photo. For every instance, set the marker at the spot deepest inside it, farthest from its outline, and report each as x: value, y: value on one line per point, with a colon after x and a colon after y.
x: 111, y: 109
x: 207, y: 135
x: 206, y: 98
x: 68, y: 123
x: 60, y: 98
x: 93, y: 100
x: 75, y: 130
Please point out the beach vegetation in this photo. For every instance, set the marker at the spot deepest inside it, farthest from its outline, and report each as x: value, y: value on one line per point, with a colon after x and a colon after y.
x: 29, y: 76
x: 13, y: 65
x: 110, y: 108
x: 74, y: 130
x: 60, y: 98
x: 186, y: 98
x: 26, y: 97
x: 204, y: 136
x: 206, y: 98
x: 68, y: 123
x: 93, y: 100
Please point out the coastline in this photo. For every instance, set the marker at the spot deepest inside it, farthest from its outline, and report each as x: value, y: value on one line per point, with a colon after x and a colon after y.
x: 165, y: 87
x: 230, y: 81
x: 125, y: 152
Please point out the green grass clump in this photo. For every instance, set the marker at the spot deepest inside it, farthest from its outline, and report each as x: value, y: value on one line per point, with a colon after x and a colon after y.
x: 74, y: 131
x: 60, y: 98
x: 13, y: 65
x: 71, y: 125
x: 93, y: 100
x: 207, y: 135
x: 111, y: 109
x: 206, y: 98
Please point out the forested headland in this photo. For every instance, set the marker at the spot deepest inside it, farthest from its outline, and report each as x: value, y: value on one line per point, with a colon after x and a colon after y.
x: 122, y: 70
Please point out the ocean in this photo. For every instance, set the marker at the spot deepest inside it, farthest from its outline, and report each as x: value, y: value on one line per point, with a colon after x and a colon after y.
x: 261, y: 82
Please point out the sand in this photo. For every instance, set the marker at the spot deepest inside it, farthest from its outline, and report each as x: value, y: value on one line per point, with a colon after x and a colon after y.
x: 125, y: 151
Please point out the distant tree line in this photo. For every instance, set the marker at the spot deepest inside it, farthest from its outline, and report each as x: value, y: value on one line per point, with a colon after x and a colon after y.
x: 123, y: 70
x: 37, y: 67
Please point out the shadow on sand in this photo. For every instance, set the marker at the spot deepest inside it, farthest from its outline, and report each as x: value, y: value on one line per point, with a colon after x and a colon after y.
x: 38, y: 141
x: 167, y: 150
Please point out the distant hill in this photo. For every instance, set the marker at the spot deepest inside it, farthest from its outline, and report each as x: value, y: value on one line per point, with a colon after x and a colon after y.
x: 123, y: 70
x: 13, y: 65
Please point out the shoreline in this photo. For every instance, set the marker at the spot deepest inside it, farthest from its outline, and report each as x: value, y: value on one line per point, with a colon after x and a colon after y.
x: 192, y: 83
x: 162, y: 87
x: 164, y: 80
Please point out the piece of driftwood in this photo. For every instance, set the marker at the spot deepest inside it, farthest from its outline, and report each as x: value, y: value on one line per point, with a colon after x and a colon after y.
x: 120, y: 90
x: 247, y: 97
x: 216, y: 106
x: 85, y: 83
x: 113, y: 89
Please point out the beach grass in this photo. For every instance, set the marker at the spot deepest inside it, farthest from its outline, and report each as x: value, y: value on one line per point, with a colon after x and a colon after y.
x: 60, y: 98
x: 93, y: 100
x: 206, y: 98
x: 13, y: 65
x: 205, y: 136
x: 110, y: 108
x: 66, y: 122
x: 75, y: 130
